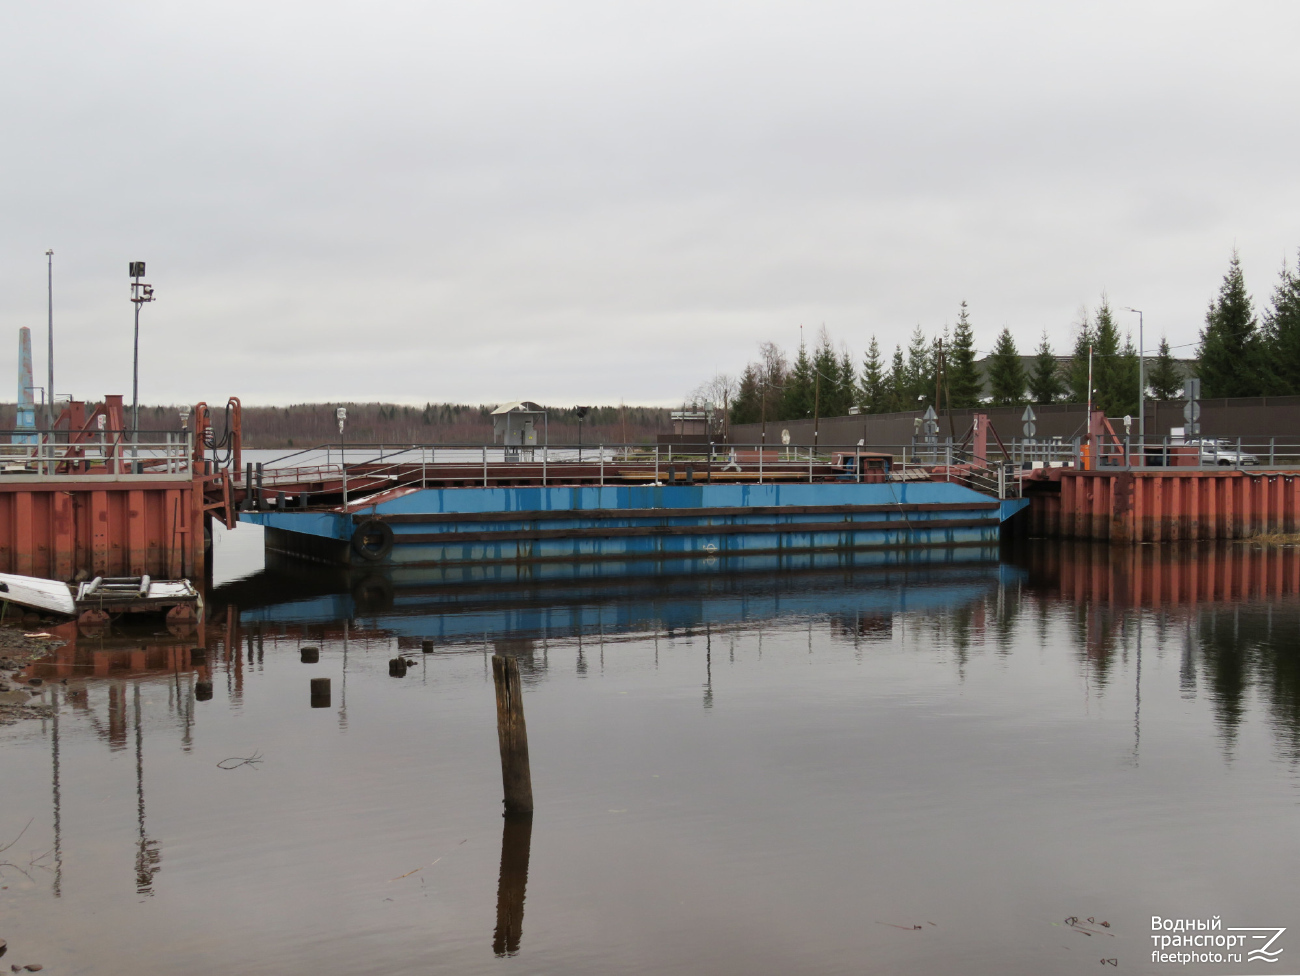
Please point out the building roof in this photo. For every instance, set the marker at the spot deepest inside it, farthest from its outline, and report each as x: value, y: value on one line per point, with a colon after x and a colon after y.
x: 519, y: 406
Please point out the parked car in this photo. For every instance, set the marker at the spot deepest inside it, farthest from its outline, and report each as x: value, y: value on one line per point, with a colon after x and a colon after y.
x: 1222, y: 452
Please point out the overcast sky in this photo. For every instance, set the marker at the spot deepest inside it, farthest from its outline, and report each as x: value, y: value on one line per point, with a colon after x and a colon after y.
x: 588, y: 202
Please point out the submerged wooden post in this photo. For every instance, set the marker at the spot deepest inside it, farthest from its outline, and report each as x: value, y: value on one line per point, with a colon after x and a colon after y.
x: 320, y: 692
x: 512, y: 735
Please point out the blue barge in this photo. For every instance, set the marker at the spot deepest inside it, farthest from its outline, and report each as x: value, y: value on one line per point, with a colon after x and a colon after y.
x: 511, y: 525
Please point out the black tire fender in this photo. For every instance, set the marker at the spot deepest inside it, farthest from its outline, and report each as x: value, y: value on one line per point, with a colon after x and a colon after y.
x: 372, y: 540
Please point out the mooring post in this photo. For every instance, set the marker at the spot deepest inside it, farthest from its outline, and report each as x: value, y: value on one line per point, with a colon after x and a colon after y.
x: 320, y: 692
x: 512, y: 735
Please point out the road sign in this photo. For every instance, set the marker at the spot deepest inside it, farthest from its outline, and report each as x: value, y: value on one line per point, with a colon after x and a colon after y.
x: 1029, y: 417
x: 1191, y: 411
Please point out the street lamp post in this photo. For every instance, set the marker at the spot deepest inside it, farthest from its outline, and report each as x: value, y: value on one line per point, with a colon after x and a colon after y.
x: 140, y: 293
x: 49, y: 403
x: 1142, y: 389
x: 341, y: 415
x: 580, y: 412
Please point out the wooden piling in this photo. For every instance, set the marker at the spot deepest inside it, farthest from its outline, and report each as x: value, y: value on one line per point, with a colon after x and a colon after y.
x: 320, y: 692
x: 512, y: 735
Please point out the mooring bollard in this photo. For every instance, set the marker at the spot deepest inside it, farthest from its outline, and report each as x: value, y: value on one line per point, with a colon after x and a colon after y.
x: 397, y: 667
x: 203, y: 691
x: 309, y: 655
x: 512, y: 735
x: 426, y: 646
x: 320, y: 692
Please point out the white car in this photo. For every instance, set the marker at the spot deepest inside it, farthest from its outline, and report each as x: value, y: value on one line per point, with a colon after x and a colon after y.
x: 1221, y: 452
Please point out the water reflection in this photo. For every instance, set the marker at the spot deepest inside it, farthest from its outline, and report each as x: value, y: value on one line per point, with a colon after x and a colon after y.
x: 1142, y: 633
x: 1231, y: 611
x: 516, y: 838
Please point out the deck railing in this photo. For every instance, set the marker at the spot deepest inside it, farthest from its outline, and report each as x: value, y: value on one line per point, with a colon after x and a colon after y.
x: 27, y: 452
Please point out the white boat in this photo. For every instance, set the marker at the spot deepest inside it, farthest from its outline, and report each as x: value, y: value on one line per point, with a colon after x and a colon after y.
x: 37, y: 594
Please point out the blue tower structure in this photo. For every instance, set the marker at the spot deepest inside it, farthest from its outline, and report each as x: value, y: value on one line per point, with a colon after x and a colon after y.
x: 26, y: 413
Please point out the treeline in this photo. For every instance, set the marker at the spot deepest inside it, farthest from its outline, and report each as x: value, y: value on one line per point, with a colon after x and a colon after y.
x: 1238, y: 355
x: 308, y: 424
x: 946, y: 371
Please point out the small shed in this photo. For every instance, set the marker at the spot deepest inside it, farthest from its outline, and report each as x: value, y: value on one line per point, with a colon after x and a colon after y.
x: 515, y: 424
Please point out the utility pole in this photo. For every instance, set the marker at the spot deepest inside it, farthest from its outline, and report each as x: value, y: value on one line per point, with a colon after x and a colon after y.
x: 140, y: 293
x: 49, y: 388
x: 1142, y: 390
x: 817, y: 391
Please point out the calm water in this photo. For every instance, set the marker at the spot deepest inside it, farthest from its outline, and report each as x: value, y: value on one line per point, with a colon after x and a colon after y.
x: 918, y: 768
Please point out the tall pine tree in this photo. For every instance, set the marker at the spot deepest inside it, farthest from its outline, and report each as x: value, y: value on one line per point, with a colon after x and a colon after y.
x: 1045, y: 384
x: 848, y: 382
x: 1114, y: 369
x: 1076, y: 377
x: 826, y: 393
x: 1229, y: 358
x: 1164, y: 378
x: 1282, y: 334
x: 746, y: 408
x: 965, y: 385
x: 899, y: 383
x: 797, y: 395
x: 873, y: 390
x: 919, y: 387
x: 1006, y: 372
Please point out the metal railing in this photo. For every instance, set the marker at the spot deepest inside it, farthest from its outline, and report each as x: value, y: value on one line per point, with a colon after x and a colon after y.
x: 25, y: 452
x: 361, y: 470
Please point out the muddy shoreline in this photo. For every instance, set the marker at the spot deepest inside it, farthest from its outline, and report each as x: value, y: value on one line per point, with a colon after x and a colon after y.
x: 19, y: 698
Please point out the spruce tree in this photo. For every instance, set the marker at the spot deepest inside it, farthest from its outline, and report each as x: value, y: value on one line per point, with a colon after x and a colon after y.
x: 965, y: 385
x: 919, y: 387
x: 797, y: 396
x: 1164, y: 378
x: 1110, y: 392
x: 826, y: 378
x: 1076, y: 377
x: 873, y: 390
x: 1282, y: 331
x: 899, y: 384
x: 1045, y: 383
x: 848, y: 383
x: 746, y: 408
x: 1229, y: 356
x: 1006, y: 372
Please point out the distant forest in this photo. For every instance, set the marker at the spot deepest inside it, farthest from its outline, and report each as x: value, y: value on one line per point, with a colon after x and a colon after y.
x: 308, y: 424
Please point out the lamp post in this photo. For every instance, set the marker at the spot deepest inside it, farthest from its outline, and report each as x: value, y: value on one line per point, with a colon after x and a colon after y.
x: 580, y: 412
x: 1142, y: 389
x: 140, y: 293
x: 341, y: 414
x: 49, y: 404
